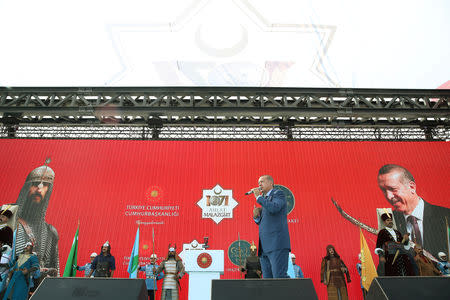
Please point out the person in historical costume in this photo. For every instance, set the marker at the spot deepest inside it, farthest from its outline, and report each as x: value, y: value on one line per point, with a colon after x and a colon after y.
x: 173, y: 269
x: 104, y: 264
x: 33, y: 201
x: 5, y: 260
x: 6, y: 233
x: 333, y: 273
x: 425, y: 265
x: 35, y: 279
x: 359, y: 269
x: 394, y: 251
x: 443, y: 264
x: 22, y: 270
x: 150, y: 277
x: 252, y: 265
x: 87, y: 267
x: 297, y: 270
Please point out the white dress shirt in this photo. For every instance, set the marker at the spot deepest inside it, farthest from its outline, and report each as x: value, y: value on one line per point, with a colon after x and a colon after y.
x: 418, y: 214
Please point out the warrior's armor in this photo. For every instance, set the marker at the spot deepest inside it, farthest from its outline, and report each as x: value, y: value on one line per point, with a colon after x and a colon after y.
x: 31, y: 219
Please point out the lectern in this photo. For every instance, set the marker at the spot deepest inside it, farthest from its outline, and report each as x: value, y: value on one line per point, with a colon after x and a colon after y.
x: 202, y: 266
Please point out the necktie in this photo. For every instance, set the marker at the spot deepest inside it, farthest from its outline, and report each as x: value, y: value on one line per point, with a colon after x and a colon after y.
x: 417, y: 236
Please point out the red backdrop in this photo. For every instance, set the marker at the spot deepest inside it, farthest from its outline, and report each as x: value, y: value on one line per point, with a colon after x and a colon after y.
x: 95, y: 181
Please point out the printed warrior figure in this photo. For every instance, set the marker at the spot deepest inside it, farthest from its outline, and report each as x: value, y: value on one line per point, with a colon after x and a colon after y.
x: 103, y: 264
x: 173, y: 270
x: 425, y: 265
x: 150, y: 277
x: 25, y: 265
x: 87, y: 267
x: 252, y: 265
x: 33, y: 202
x: 389, y: 246
x: 333, y: 273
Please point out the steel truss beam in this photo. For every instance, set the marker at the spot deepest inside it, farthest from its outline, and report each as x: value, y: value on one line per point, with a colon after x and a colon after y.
x: 156, y: 110
x: 121, y: 132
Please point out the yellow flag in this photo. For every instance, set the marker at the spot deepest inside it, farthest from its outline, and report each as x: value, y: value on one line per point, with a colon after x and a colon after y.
x: 368, y: 270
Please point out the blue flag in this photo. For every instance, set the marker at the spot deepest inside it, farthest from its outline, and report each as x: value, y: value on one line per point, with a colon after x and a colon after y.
x: 13, y: 252
x: 134, y: 257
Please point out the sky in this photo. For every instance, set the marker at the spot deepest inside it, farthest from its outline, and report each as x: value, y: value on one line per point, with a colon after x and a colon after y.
x: 287, y: 43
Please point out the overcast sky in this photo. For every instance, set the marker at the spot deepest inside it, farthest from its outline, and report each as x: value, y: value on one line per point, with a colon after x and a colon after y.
x: 320, y: 43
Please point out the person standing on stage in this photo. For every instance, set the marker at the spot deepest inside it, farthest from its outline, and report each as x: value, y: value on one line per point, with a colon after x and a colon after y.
x: 333, y: 273
x: 103, y: 264
x: 425, y: 265
x: 271, y: 217
x: 359, y: 269
x: 6, y: 233
x: 252, y: 265
x: 150, y: 277
x: 87, y: 267
x: 173, y: 269
x: 6, y: 255
x: 25, y: 265
x: 389, y: 243
x: 443, y: 264
x: 6, y: 240
x: 297, y: 270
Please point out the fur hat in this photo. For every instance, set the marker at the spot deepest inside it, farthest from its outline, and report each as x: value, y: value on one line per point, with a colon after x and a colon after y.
x: 386, y: 216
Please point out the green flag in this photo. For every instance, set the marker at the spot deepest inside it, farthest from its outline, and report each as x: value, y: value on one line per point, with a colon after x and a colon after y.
x: 70, y: 269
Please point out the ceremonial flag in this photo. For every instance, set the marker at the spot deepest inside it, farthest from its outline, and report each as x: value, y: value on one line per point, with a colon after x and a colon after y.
x: 368, y: 270
x: 70, y: 270
x: 134, y: 257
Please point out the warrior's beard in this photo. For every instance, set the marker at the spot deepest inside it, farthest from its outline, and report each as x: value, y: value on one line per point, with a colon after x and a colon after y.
x: 33, y: 212
x: 171, y: 255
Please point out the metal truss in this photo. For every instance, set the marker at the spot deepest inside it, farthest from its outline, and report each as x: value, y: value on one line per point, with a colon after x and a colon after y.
x: 224, y: 113
x: 120, y: 132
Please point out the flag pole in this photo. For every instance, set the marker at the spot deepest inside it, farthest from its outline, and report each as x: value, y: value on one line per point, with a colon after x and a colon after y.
x: 240, y: 256
x: 154, y: 275
x: 448, y: 242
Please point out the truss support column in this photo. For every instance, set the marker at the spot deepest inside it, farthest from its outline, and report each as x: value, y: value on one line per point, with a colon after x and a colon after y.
x: 429, y: 133
x: 11, y: 122
x: 155, y: 124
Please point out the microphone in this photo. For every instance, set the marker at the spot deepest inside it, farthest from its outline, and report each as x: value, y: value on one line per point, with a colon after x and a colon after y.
x: 251, y: 192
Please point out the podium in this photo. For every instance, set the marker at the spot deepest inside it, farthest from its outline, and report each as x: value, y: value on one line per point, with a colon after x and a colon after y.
x: 202, y: 266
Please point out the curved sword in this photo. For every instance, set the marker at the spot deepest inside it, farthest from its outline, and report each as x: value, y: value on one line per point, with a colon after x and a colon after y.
x: 372, y: 230
x: 353, y: 220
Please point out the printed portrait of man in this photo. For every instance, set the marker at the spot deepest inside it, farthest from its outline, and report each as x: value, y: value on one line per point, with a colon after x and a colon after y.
x: 33, y: 201
x: 426, y: 223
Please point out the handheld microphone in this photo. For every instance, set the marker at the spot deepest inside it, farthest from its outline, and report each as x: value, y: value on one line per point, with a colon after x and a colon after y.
x: 251, y: 192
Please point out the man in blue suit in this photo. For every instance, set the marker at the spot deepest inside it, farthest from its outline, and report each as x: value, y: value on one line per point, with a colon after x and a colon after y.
x: 274, y: 242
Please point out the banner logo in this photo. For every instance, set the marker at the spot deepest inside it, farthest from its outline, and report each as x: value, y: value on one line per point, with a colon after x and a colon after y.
x: 290, y: 199
x: 238, y: 251
x: 204, y: 260
x: 217, y: 204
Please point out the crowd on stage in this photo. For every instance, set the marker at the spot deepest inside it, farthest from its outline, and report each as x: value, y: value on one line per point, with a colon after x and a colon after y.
x: 408, y: 249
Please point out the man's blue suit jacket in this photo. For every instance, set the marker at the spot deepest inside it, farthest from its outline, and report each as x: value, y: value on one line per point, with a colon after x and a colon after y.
x: 273, y: 227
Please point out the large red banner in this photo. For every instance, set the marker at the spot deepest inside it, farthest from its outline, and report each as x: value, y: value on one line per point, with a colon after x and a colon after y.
x: 111, y: 186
